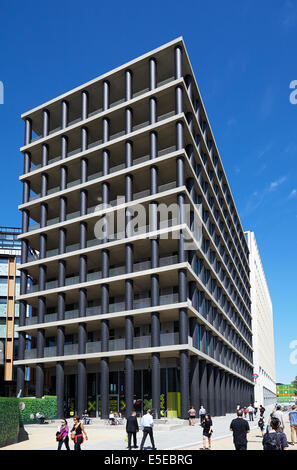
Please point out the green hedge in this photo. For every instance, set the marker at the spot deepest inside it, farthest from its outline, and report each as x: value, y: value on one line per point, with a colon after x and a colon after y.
x: 12, y: 416
x: 9, y: 421
x: 47, y: 406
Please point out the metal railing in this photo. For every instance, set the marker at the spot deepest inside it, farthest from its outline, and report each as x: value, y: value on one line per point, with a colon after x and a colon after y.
x: 96, y: 310
x: 140, y: 342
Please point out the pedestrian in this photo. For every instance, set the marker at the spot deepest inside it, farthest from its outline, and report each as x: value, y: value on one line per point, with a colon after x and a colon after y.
x: 77, y: 433
x: 147, y: 424
x: 111, y: 418
x: 262, y: 410
x: 240, y: 428
x: 245, y: 411
x: 279, y: 415
x: 132, y: 428
x: 293, y: 423
x: 269, y: 420
x: 202, y: 413
x: 40, y: 418
x: 275, y: 440
x: 207, y: 431
x: 251, y: 413
x: 238, y: 407
x: 192, y: 416
x: 256, y: 406
x: 62, y: 435
x: 261, y: 424
x: 85, y: 417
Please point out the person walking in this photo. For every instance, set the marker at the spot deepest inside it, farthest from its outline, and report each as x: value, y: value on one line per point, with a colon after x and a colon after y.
x: 132, y: 428
x: 77, y: 433
x: 62, y: 435
x: 245, y: 411
x: 85, y: 417
x: 293, y: 423
x: 279, y: 415
x: 275, y: 440
x: 192, y: 416
x: 256, y: 406
x: 261, y: 424
x: 240, y: 427
x: 202, y: 413
x: 147, y: 424
x: 262, y: 410
x: 251, y: 413
x: 207, y: 431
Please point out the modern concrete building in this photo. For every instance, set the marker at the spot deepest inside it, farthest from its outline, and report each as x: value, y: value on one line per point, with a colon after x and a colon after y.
x: 122, y: 318
x: 262, y: 326
x: 10, y: 256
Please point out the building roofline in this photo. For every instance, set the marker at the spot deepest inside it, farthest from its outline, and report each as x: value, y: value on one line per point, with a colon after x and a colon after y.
x: 178, y: 40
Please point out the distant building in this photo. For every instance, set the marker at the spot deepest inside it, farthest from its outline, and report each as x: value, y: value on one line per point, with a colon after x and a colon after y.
x: 10, y: 252
x: 285, y: 393
x: 262, y: 326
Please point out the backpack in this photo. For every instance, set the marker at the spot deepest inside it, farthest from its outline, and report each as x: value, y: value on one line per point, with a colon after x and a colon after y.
x: 271, y: 441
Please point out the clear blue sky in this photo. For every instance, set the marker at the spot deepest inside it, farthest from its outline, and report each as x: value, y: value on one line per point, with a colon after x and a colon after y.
x: 244, y: 57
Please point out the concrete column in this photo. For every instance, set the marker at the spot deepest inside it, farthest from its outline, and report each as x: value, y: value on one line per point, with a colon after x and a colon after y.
x: 184, y: 383
x: 104, y: 384
x: 217, y: 393
x: 203, y: 383
x: 179, y: 100
x: 153, y: 73
x: 227, y: 388
x: 81, y: 386
x: 178, y: 62
x: 60, y: 388
x: 210, y: 389
x: 194, y: 382
x: 84, y: 105
x: 39, y: 380
x: 129, y: 323
x: 223, y: 392
x: 104, y: 388
x: 28, y: 131
x: 24, y: 257
x: 189, y: 85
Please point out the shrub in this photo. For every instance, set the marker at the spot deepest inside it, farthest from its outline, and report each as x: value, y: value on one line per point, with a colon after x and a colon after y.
x: 9, y: 421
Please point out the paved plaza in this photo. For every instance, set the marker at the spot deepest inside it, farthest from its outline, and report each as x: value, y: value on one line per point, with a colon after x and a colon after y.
x: 174, y: 435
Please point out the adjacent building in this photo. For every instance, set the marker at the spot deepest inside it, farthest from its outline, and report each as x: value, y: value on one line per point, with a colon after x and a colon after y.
x: 262, y: 326
x: 140, y: 289
x: 10, y: 254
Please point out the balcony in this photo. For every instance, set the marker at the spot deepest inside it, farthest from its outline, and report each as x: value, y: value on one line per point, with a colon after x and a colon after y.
x: 140, y: 342
x: 113, y: 203
x: 115, y: 271
x: 115, y: 307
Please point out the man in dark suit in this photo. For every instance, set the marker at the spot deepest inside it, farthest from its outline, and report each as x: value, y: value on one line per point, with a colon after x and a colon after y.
x: 132, y: 428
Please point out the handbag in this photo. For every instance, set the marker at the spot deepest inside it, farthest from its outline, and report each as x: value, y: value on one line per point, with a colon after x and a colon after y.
x: 59, y: 436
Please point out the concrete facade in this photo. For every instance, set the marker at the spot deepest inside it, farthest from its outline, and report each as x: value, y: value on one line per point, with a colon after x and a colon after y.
x: 131, y: 311
x: 262, y: 326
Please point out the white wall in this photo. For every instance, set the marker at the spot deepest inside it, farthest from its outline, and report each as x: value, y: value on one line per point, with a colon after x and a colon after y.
x: 262, y: 326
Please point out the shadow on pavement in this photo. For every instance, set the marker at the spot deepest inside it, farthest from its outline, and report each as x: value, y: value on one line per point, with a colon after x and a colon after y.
x: 23, y: 435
